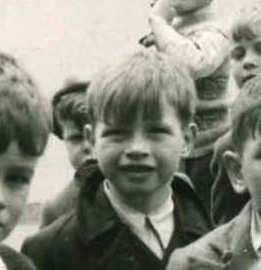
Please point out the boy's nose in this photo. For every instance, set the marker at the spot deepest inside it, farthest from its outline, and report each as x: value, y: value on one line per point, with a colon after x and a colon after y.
x: 249, y: 61
x: 137, y: 148
x: 249, y: 65
x: 87, y: 147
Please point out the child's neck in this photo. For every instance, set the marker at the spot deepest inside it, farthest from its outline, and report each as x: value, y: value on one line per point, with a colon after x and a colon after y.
x: 143, y: 203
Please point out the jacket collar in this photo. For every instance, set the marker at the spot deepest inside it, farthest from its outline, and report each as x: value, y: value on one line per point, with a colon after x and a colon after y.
x: 94, y: 213
x: 189, y: 207
x: 96, y: 216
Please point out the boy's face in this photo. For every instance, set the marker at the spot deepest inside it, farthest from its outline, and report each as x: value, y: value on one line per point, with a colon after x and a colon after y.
x: 79, y: 150
x: 140, y: 159
x: 16, y: 172
x: 246, y: 60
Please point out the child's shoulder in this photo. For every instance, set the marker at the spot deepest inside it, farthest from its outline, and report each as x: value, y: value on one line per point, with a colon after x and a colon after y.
x: 214, y: 249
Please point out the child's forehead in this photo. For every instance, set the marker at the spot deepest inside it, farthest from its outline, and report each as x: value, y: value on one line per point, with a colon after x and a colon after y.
x: 160, y: 115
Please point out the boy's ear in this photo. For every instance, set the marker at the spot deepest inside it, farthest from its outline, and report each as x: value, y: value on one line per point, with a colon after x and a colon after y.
x: 88, y: 134
x: 190, y: 137
x: 232, y: 162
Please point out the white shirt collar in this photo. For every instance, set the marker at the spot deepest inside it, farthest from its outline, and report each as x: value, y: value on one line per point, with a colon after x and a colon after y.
x: 162, y: 218
x: 256, y: 231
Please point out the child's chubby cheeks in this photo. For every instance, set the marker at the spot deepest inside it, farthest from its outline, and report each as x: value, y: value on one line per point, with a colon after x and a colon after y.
x: 140, y: 157
x: 16, y: 172
x: 245, y: 60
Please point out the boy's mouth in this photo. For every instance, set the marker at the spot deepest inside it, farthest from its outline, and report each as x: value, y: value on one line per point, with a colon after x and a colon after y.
x: 137, y: 168
x: 247, y: 78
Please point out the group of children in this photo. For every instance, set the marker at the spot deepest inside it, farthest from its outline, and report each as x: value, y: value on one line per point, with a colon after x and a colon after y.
x: 162, y: 156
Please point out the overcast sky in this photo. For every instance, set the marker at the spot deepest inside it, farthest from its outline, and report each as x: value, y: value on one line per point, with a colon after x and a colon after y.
x: 60, y: 39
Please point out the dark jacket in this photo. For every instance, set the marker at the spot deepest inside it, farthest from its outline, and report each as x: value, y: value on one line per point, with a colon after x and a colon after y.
x: 14, y: 260
x: 93, y: 237
x: 227, y: 247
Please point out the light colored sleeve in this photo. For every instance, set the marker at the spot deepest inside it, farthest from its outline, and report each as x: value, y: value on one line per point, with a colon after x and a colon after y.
x: 178, y: 260
x: 202, y: 51
x: 163, y: 9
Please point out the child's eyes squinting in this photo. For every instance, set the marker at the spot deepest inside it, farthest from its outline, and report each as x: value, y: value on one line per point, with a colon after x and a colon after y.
x: 114, y: 132
x: 76, y: 138
x: 159, y: 130
x: 16, y: 180
x: 238, y: 53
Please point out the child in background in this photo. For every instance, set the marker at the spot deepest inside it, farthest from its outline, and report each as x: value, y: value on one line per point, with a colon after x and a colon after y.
x: 245, y: 63
x: 190, y: 30
x: 235, y: 245
x: 69, y: 117
x: 25, y: 125
x: 140, y: 111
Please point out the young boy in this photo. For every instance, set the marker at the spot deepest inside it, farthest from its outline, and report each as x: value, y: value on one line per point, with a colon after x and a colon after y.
x: 25, y: 125
x: 69, y: 117
x: 235, y: 245
x: 191, y: 30
x: 140, y: 110
x: 245, y: 63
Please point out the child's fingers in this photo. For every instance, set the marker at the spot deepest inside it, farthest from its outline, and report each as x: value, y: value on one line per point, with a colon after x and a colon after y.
x: 163, y: 33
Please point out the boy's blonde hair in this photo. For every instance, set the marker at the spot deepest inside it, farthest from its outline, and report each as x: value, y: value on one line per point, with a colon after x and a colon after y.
x: 24, y: 115
x: 246, y: 114
x: 139, y: 81
x: 247, y: 25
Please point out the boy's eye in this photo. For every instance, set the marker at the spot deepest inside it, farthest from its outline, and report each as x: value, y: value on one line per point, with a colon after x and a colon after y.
x: 16, y: 180
x: 114, y: 132
x: 238, y: 53
x: 257, y: 47
x: 76, y: 138
x: 159, y: 130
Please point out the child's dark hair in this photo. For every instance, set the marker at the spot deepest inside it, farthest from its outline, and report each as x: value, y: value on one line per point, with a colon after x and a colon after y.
x: 247, y: 25
x: 246, y: 114
x: 69, y: 104
x: 140, y: 81
x: 24, y: 114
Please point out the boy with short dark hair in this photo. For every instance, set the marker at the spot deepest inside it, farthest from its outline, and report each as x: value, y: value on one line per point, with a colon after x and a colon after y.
x: 235, y: 245
x: 69, y: 118
x: 140, y: 111
x: 25, y: 125
x: 245, y: 63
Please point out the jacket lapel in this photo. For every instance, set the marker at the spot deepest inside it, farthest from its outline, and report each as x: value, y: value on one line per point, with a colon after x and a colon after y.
x: 95, y: 213
x: 244, y: 255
